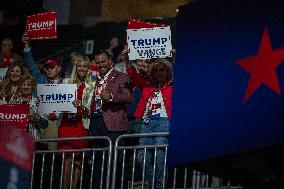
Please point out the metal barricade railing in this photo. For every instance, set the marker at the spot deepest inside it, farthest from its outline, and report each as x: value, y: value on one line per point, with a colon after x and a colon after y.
x: 126, y: 172
x: 128, y: 168
x: 185, y: 178
x: 91, y: 163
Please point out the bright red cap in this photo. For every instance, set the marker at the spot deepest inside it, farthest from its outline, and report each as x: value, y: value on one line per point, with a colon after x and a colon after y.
x: 51, y: 62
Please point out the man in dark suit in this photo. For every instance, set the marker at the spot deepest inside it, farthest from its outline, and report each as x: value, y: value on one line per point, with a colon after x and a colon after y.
x: 112, y: 93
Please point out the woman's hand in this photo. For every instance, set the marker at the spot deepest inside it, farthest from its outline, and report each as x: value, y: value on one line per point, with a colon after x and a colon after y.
x: 126, y: 61
x: 51, y: 116
x: 33, y: 117
x: 77, y: 103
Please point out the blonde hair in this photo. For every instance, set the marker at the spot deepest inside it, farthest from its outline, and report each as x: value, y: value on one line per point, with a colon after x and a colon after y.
x: 74, y: 76
x: 28, y: 77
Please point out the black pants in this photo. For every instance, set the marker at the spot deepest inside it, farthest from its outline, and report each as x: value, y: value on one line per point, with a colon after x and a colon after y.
x: 98, y: 128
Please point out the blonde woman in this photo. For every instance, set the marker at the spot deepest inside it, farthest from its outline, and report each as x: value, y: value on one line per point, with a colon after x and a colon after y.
x: 36, y: 121
x: 76, y: 125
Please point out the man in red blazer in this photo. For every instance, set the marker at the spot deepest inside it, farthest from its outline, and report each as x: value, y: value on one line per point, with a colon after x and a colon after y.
x: 112, y: 93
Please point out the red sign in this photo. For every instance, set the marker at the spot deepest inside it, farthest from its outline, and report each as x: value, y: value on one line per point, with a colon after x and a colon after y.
x: 14, y: 115
x: 16, y: 147
x: 137, y: 24
x: 42, y: 26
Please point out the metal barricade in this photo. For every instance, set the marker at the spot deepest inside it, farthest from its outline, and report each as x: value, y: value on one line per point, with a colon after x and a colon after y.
x: 126, y: 172
x: 73, y: 168
x: 125, y: 163
x: 185, y: 178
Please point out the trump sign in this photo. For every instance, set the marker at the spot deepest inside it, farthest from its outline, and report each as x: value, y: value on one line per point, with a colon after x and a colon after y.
x: 42, y: 26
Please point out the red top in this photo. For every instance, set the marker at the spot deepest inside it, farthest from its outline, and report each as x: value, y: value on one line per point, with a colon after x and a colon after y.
x: 147, y: 91
x: 7, y: 60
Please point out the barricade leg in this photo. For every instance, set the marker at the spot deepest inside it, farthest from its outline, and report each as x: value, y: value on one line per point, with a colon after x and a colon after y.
x: 144, y: 159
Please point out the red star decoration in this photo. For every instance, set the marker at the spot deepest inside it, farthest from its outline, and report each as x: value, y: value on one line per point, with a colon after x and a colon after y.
x: 262, y: 67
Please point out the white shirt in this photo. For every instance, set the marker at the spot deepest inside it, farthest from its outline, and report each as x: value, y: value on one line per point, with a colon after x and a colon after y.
x: 155, y: 106
x: 98, y: 90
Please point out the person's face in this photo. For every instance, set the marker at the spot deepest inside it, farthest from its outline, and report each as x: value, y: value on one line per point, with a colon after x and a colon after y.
x: 82, y: 69
x: 26, y: 88
x: 160, y: 73
x: 114, y: 42
x: 104, y: 64
x: 142, y: 65
x: 52, y: 72
x: 6, y: 47
x: 15, y: 74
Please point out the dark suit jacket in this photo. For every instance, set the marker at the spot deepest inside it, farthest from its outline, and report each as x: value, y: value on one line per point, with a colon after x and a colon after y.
x: 114, y: 112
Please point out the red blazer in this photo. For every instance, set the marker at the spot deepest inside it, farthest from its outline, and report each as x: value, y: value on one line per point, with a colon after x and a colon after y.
x: 148, y: 89
x: 114, y: 112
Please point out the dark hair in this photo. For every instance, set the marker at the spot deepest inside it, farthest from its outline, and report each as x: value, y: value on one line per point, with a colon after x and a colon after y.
x: 104, y: 52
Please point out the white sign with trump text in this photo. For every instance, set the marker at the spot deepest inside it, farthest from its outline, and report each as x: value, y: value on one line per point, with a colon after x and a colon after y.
x: 147, y: 43
x: 56, y: 98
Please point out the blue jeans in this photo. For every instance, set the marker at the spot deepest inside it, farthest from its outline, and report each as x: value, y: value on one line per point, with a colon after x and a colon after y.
x: 154, y: 125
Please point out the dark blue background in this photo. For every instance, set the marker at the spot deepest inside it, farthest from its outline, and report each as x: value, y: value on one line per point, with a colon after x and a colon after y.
x: 22, y: 181
x: 209, y: 117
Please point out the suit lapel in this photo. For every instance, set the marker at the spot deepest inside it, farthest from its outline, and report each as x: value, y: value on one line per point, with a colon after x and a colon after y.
x: 110, y: 79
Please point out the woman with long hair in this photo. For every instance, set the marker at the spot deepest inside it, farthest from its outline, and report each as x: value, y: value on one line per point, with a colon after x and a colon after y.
x: 76, y: 124
x: 37, y: 121
x: 9, y: 88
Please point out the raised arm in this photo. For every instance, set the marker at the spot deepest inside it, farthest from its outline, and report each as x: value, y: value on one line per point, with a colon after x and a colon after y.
x: 29, y: 60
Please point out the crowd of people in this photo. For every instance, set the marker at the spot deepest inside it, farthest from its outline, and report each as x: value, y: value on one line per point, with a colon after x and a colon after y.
x: 114, y: 96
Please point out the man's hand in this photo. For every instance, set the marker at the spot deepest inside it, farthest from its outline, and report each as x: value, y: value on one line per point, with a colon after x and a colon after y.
x: 105, y: 95
x: 26, y: 40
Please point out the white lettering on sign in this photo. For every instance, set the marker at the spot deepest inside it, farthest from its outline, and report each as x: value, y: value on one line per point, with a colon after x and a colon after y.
x: 40, y: 25
x: 14, y: 117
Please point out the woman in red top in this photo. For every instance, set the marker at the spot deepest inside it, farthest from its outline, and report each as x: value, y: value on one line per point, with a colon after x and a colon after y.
x: 154, y: 108
x: 76, y: 124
